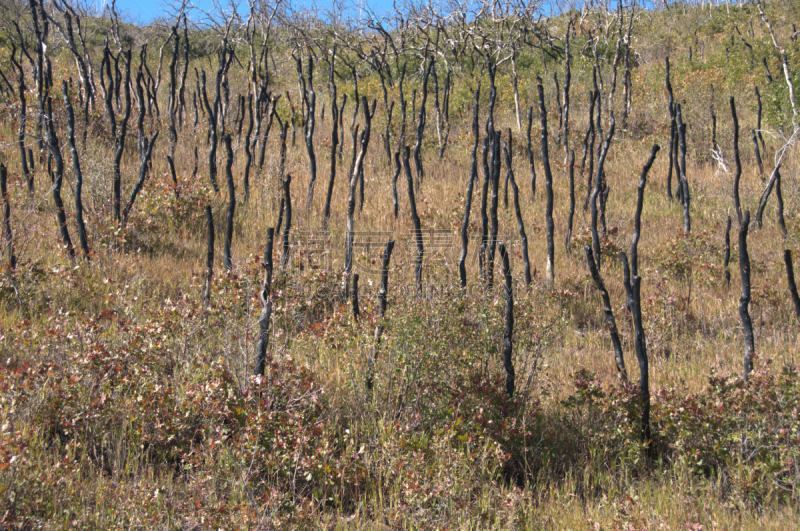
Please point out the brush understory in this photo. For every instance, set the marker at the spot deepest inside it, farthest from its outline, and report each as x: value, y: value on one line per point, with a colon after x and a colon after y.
x: 127, y: 403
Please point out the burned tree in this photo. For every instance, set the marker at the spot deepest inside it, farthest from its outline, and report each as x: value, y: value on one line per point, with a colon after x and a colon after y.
x: 597, y: 190
x: 231, y: 204
x: 266, y: 306
x: 609, y: 313
x: 548, y: 185
x: 473, y: 173
x: 415, y: 220
x: 523, y: 237
x: 9, y: 238
x: 382, y: 299
x: 310, y: 105
x: 571, y: 200
x: 530, y: 155
x: 787, y: 259
x: 508, y: 331
x: 76, y: 169
x: 744, y: 300
x: 421, y: 125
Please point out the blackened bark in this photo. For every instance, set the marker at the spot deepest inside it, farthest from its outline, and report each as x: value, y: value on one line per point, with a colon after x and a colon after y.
x: 685, y: 195
x: 758, y: 156
x: 354, y: 298
x: 171, y: 164
x: 744, y: 300
x: 266, y: 306
x: 382, y: 299
x: 473, y: 174
x: 548, y: 185
x: 334, y: 143
x: 76, y: 168
x: 762, y: 204
x: 637, y: 219
x: 28, y: 172
x: 508, y: 331
x: 738, y: 172
x: 421, y: 126
x: 144, y: 165
x: 397, y: 169
x: 247, y: 151
x: 597, y: 190
x: 310, y: 102
x: 55, y: 152
x: 523, y: 237
x: 588, y: 148
x: 530, y: 154
x: 231, y: 204
x: 758, y: 125
x: 119, y: 141
x: 7, y: 235
x: 571, y: 201
x: 672, y: 132
x: 640, y: 343
x: 495, y: 176
x: 727, y: 253
x: 415, y: 220
x: 609, y: 314
x: 484, y: 205
x: 787, y: 259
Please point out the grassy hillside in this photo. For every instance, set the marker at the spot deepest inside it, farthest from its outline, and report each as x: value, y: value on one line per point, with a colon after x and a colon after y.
x: 126, y: 402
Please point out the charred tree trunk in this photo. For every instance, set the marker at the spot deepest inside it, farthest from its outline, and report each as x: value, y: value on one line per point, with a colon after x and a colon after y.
x: 76, y: 168
x: 351, y: 208
x: 247, y: 151
x: 530, y: 154
x: 266, y: 306
x: 310, y: 103
x: 523, y: 237
x: 28, y: 172
x: 508, y: 332
x: 382, y: 299
x: 744, y: 300
x: 588, y: 149
x: 738, y: 172
x: 762, y: 204
x: 334, y: 144
x: 685, y: 195
x: 571, y: 201
x: 484, y: 216
x: 727, y: 253
x: 415, y: 220
x: 758, y: 156
x: 787, y: 259
x: 9, y: 238
x: 609, y: 313
x: 758, y: 126
x: 55, y: 151
x: 421, y: 126
x: 473, y: 173
x: 672, y: 133
x: 495, y: 177
x: 354, y: 298
x: 231, y: 204
x: 143, y: 168
x: 548, y: 186
x: 597, y: 190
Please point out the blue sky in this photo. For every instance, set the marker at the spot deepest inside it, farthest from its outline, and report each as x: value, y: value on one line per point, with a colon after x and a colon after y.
x: 147, y: 10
